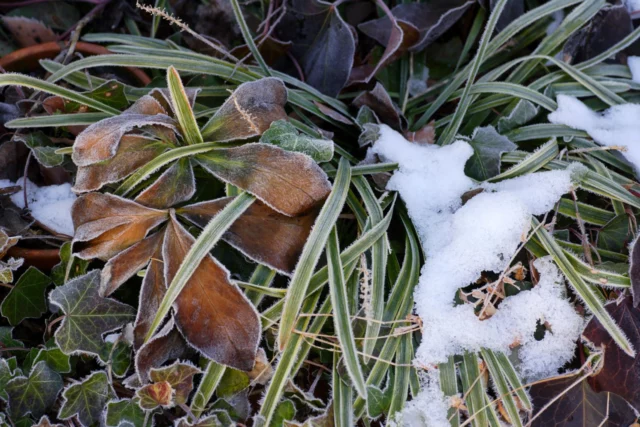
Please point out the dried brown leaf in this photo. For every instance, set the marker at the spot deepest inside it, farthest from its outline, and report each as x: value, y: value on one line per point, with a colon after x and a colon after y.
x: 167, y: 344
x: 211, y: 312
x: 261, y: 233
x: 151, y: 294
x: 156, y: 395
x: 106, y: 224
x: 28, y: 31
x: 249, y: 111
x: 180, y: 376
x: 380, y: 102
x: 291, y: 183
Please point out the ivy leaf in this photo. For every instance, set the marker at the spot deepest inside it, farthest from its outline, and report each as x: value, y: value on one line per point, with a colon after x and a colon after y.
x: 77, y: 268
x: 125, y: 410
x: 323, y: 43
x: 7, y: 341
x: 260, y: 233
x: 87, y: 315
x: 523, y: 113
x: 578, y: 406
x: 488, y: 146
x: 55, y: 358
x: 33, y: 394
x: 285, y: 410
x: 620, y: 371
x: 42, y: 148
x: 7, y: 373
x: 232, y: 382
x: 118, y: 354
x: 291, y: 183
x: 378, y: 402
x: 27, y: 298
x: 180, y: 376
x: 157, y: 395
x: 285, y: 135
x: 87, y: 399
x: 615, y: 235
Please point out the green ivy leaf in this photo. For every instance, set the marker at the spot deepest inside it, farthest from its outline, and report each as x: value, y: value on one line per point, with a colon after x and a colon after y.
x: 35, y: 393
x: 523, y: 113
x: 125, y: 410
x: 87, y: 399
x: 7, y: 373
x: 180, y: 376
x: 377, y: 402
x: 7, y: 341
x: 27, y: 298
x: 110, y: 93
x: 88, y: 315
x: 488, y: 146
x: 615, y: 235
x: 286, y: 136
x: 42, y: 148
x: 78, y: 266
x: 56, y: 359
x: 232, y: 382
x: 285, y: 410
x: 119, y: 354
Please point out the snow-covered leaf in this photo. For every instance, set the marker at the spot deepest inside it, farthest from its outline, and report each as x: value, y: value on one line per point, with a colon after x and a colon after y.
x: 87, y: 399
x: 35, y: 393
x: 27, y: 298
x: 248, y: 112
x: 285, y: 135
x: 488, y: 146
x: 87, y: 315
x: 291, y: 183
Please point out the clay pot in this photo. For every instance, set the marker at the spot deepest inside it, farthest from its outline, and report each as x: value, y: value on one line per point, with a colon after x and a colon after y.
x: 26, y: 59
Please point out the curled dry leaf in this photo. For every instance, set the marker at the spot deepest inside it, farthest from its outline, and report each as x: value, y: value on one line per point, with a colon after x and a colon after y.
x: 134, y: 151
x: 291, y: 183
x: 261, y: 233
x: 166, y: 344
x: 106, y: 225
x: 156, y: 395
x: 179, y: 375
x: 212, y: 313
x: 620, y: 372
x: 176, y: 185
x: 248, y: 112
x: 379, y: 101
x: 88, y: 316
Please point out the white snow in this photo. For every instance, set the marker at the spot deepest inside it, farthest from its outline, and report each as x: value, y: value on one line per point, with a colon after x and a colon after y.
x: 428, y: 408
x: 460, y: 242
x: 633, y: 6
x: 50, y: 205
x: 634, y: 66
x: 617, y: 126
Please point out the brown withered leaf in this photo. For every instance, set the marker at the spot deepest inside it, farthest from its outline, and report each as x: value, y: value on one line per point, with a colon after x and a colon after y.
x: 332, y: 113
x: 166, y: 344
x: 634, y: 272
x: 127, y: 263
x: 100, y: 141
x: 380, y: 102
x: 149, y: 105
x: 106, y: 224
x: 156, y: 395
x: 262, y: 371
x: 261, y: 233
x: 176, y: 185
x: 291, y: 183
x: 211, y: 312
x: 180, y: 376
x: 249, y: 111
x: 27, y: 31
x: 579, y: 406
x: 151, y: 294
x: 621, y: 372
x: 134, y: 151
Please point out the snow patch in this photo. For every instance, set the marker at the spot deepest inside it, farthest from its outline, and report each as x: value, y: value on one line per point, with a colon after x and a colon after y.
x: 50, y: 205
x: 429, y: 408
x: 616, y: 126
x: 460, y: 242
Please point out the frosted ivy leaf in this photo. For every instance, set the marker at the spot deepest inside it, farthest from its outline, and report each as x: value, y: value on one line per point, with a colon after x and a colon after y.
x: 87, y: 399
x: 33, y: 394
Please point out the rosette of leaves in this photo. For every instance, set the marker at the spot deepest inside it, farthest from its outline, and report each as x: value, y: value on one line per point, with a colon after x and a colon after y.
x: 159, y: 136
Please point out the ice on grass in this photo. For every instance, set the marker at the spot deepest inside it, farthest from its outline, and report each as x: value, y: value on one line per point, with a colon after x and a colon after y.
x: 50, y: 205
x: 463, y: 241
x: 618, y: 126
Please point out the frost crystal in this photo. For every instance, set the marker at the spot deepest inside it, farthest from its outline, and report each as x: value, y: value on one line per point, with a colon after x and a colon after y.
x: 617, y: 126
x: 461, y: 242
x: 50, y: 206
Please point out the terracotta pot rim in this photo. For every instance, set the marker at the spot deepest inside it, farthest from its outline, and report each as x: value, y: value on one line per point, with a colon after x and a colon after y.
x: 29, y: 57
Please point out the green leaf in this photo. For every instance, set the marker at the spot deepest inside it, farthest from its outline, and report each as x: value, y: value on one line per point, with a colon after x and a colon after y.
x: 377, y: 402
x: 34, y: 394
x: 86, y: 400
x: 124, y: 410
x: 232, y: 382
x: 286, y: 136
x: 285, y: 411
x: 488, y: 146
x: 27, y: 298
x: 524, y: 112
x: 55, y: 359
x: 615, y: 235
x: 87, y: 315
x: 182, y: 108
x: 77, y: 268
x: 42, y: 148
x: 118, y: 354
x: 7, y: 341
x: 7, y: 373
